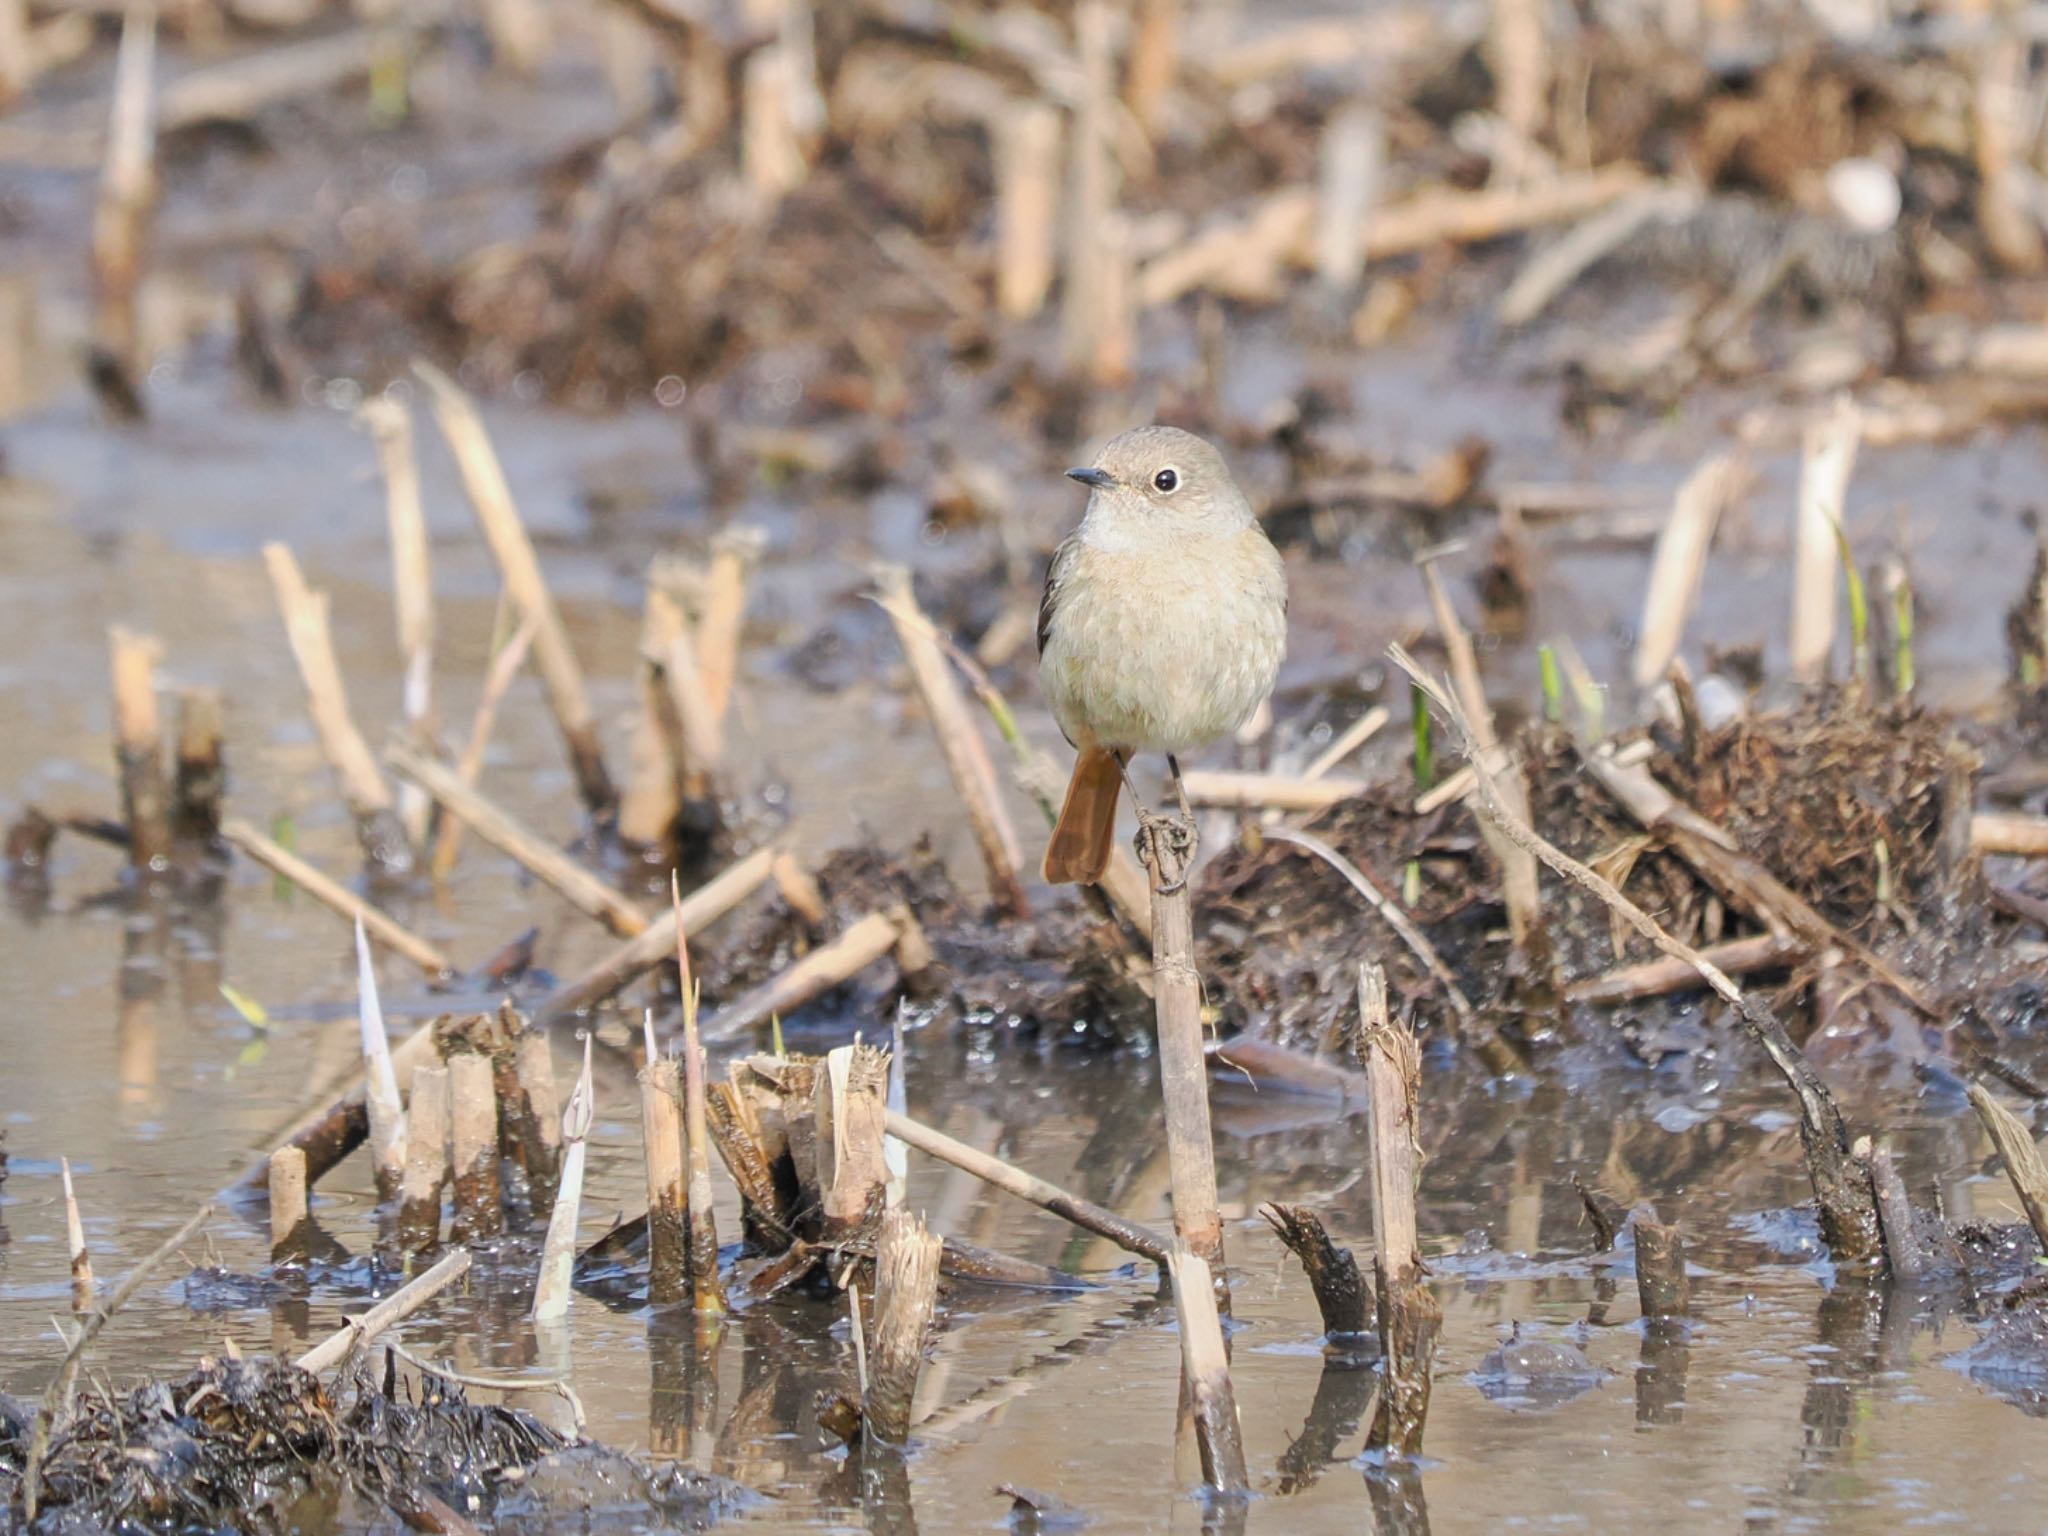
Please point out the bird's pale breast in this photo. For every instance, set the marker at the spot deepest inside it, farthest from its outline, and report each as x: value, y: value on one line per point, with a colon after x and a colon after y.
x: 1168, y: 649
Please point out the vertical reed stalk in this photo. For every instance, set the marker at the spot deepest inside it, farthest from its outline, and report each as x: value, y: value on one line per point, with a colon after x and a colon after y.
x: 1092, y: 192
x: 1169, y: 854
x: 696, y: 736
x: 120, y: 224
x: 1027, y: 159
x: 1350, y: 171
x: 288, y: 1208
x: 426, y: 1160
x: 662, y: 1130
x: 519, y: 568
x: 1205, y: 1363
x: 139, y: 749
x: 733, y: 554
x: 906, y: 1292
x: 506, y: 661
x: 705, y: 1288
x: 1828, y: 457
x: 387, y: 1118
x: 851, y: 1112
x: 412, y: 585
x: 479, y: 1198
x: 74, y: 1230
x: 1680, y: 560
x: 199, y: 784
x: 533, y: 1069
x: 558, y: 1253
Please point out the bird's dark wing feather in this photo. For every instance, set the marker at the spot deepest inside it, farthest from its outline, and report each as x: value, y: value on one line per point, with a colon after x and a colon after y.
x: 1048, y: 604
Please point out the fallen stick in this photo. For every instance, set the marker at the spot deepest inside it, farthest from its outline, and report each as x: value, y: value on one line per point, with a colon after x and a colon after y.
x: 336, y: 897
x: 1205, y: 1364
x: 519, y: 568
x: 1659, y: 978
x: 2022, y: 1159
x: 56, y: 1400
x: 1085, y: 1214
x: 2009, y: 832
x: 412, y: 582
x: 355, y: 769
x: 503, y: 831
x: 1456, y: 787
x: 641, y: 953
x: 139, y: 749
x: 1848, y: 1215
x: 506, y: 661
x: 906, y: 1293
x: 960, y: 743
x: 1268, y: 791
x: 859, y: 947
x: 396, y: 1307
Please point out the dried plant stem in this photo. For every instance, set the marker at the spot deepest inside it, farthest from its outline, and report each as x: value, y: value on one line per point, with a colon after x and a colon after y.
x: 1340, y: 1290
x: 139, y: 749
x: 355, y: 769
x: 426, y: 1161
x: 56, y: 1399
x: 643, y: 952
x: 289, y: 1212
x: 539, y: 1117
x: 1659, y: 978
x: 491, y: 499
x: 906, y: 1293
x: 1848, y: 1218
x: 1205, y: 1362
x: 473, y: 1139
x: 2009, y: 832
x: 1828, y: 457
x: 1091, y: 192
x: 693, y: 729
x: 661, y: 1127
x: 1169, y: 854
x: 503, y: 831
x: 1268, y: 791
x: 127, y: 196
x: 1679, y: 563
x: 2022, y: 1158
x: 653, y: 798
x: 330, y: 1131
x: 1027, y: 160
x: 412, y: 582
x: 1518, y: 54
x: 1661, y: 1280
x: 1349, y: 173
x: 199, y: 782
x: 558, y: 1252
x: 734, y: 553
x: 74, y: 1232
x: 395, y: 1308
x: 387, y: 1118
x: 336, y: 897
x: 705, y: 1290
x: 505, y: 665
x: 859, y: 947
x: 850, y: 1110
x: 1085, y: 1214
x: 960, y: 742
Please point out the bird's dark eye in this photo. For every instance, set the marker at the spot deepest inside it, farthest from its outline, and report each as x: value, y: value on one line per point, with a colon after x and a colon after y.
x: 1166, y: 482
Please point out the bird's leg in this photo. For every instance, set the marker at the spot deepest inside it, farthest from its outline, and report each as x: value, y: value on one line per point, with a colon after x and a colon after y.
x: 1165, y: 842
x: 1180, y: 789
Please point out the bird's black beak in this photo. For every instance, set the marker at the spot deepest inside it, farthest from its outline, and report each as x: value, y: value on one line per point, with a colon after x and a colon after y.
x: 1097, y: 479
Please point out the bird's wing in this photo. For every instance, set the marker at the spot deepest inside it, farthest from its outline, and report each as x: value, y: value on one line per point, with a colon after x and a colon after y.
x: 1048, y: 604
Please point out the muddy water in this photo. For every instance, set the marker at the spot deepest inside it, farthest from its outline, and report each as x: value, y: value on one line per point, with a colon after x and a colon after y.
x: 1791, y: 1406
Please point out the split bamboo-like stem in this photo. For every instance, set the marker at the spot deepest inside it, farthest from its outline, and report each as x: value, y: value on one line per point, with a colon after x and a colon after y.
x: 127, y: 197
x: 426, y: 1161
x: 1206, y: 1363
x: 558, y: 1250
x: 74, y: 1232
x: 473, y: 1140
x: 960, y: 742
x: 412, y: 582
x: 519, y: 568
x: 336, y: 897
x: 906, y: 1294
x: 505, y: 832
x: 850, y: 1108
x: 380, y: 1079
x: 705, y: 1290
x: 1085, y: 1214
x: 355, y: 769
x: 395, y: 1308
x: 2022, y: 1158
x: 1828, y: 457
x: 139, y: 749
x: 644, y: 951
x: 661, y: 1128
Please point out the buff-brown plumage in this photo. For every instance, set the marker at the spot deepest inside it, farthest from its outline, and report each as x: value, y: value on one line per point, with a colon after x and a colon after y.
x: 1162, y: 627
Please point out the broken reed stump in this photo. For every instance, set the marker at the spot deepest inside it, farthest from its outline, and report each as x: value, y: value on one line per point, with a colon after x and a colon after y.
x: 558, y: 1249
x: 960, y: 743
x: 661, y: 1123
x: 691, y: 731
x: 363, y: 789
x: 380, y: 1079
x: 706, y: 1292
x: 199, y: 782
x: 734, y: 553
x: 426, y: 1161
x: 1167, y: 848
x: 533, y: 1117
x: 289, y: 1213
x: 1661, y: 1281
x: 1205, y: 1363
x: 473, y: 1116
x: 139, y: 750
x: 906, y: 1293
x: 850, y: 1112
x: 121, y: 216
x: 2022, y: 1158
x: 1409, y: 1314
x: 490, y: 497
x: 652, y: 802
x: 74, y: 1232
x: 1333, y: 1274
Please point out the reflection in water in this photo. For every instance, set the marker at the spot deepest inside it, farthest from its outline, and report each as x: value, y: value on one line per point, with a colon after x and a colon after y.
x: 1661, y: 1370
x: 1343, y: 1392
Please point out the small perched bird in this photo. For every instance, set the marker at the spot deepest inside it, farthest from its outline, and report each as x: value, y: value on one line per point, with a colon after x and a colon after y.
x: 1162, y: 626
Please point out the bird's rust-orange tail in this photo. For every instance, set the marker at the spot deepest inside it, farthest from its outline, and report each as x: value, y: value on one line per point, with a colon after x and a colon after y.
x: 1086, y: 832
